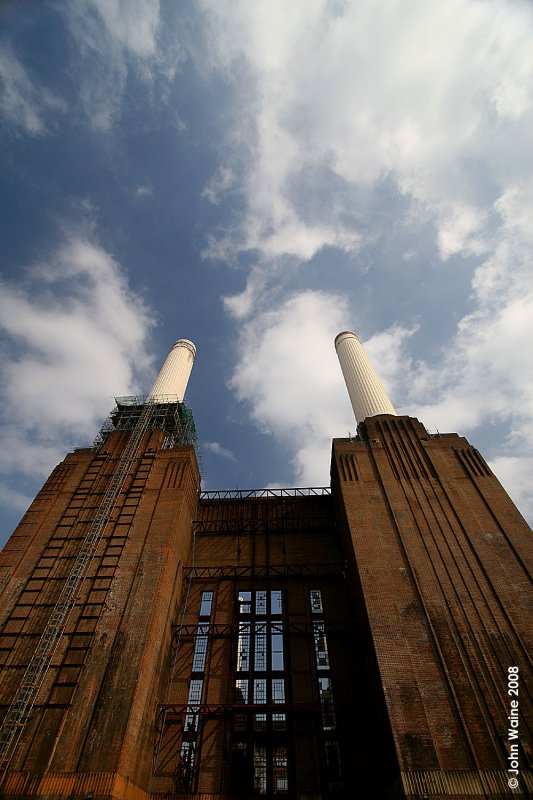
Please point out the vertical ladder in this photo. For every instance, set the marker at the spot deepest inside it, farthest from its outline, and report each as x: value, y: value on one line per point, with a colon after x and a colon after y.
x: 18, y: 713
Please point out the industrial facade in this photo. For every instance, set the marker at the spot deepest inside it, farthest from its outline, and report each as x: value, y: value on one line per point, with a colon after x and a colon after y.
x: 369, y: 639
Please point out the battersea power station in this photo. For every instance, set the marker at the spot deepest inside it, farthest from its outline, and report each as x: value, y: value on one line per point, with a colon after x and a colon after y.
x: 372, y: 639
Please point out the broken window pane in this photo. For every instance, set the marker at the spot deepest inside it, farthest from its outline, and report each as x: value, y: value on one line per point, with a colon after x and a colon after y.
x: 260, y: 646
x: 260, y: 602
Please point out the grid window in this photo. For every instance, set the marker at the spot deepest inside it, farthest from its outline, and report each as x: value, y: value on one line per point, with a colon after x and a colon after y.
x: 260, y: 646
x: 277, y: 646
x: 200, y: 649
x: 278, y: 690
x: 326, y: 703
x: 321, y: 647
x: 281, y: 783
x: 260, y: 769
x: 325, y: 691
x: 206, y: 603
x: 195, y: 697
x: 333, y: 765
x: 241, y: 690
x: 275, y: 602
x: 315, y: 595
x: 259, y: 680
x: 243, y: 647
x: 260, y: 688
x: 195, y: 691
x: 260, y: 602
x: 245, y: 599
x: 260, y: 698
x: 186, y: 765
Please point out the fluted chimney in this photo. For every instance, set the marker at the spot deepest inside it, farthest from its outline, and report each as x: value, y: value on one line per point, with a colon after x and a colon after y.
x: 367, y: 394
x: 171, y: 383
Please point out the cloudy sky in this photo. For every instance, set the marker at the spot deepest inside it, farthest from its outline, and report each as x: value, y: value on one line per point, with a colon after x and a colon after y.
x: 256, y: 177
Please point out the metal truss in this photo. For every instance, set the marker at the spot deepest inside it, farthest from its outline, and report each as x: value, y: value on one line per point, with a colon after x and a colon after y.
x: 265, y: 571
x: 173, y: 712
x: 244, y: 494
x: 186, y: 631
x: 250, y: 526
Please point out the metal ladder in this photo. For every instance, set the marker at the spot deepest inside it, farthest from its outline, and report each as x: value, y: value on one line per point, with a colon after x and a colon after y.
x: 21, y: 706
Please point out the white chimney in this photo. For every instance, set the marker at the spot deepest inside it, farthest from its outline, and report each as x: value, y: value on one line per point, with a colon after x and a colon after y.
x: 367, y: 395
x: 171, y: 383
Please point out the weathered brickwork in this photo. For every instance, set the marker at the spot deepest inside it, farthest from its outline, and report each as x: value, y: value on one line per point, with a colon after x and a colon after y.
x: 95, y: 711
x: 352, y: 644
x: 441, y: 560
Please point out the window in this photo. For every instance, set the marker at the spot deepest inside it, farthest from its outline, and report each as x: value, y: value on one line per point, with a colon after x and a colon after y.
x: 200, y: 649
x: 260, y: 681
x: 241, y: 691
x: 326, y: 702
x: 281, y: 783
x: 243, y: 647
x: 277, y: 646
x: 275, y: 601
x: 321, y: 647
x: 315, y: 596
x: 186, y: 767
x: 206, y: 603
x: 260, y: 646
x: 195, y: 697
x: 260, y: 698
x: 260, y: 603
x: 325, y: 693
x: 244, y: 602
x: 260, y: 769
x: 191, y: 722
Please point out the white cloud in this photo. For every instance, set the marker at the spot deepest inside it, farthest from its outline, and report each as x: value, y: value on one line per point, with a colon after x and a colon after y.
x: 461, y: 231
x: 218, y: 450
x: 288, y: 374
x: 117, y: 39
x: 132, y: 23
x: 144, y: 190
x: 486, y: 375
x: 10, y: 498
x: 242, y: 304
x: 74, y: 336
x: 219, y: 183
x: 367, y: 91
x: 437, y: 100
x: 24, y: 103
x: 514, y: 473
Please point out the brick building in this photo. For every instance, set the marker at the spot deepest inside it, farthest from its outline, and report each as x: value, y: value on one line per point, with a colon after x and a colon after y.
x: 364, y: 640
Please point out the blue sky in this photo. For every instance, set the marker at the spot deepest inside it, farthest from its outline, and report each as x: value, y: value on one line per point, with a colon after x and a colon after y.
x: 256, y: 177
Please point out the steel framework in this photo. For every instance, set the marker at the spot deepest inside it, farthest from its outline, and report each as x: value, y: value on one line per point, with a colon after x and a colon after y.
x: 244, y: 494
x: 265, y: 571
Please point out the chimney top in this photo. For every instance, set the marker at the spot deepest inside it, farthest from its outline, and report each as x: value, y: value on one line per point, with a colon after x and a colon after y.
x: 367, y: 394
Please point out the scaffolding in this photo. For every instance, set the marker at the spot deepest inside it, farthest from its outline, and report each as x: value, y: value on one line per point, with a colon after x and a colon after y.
x: 172, y: 417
